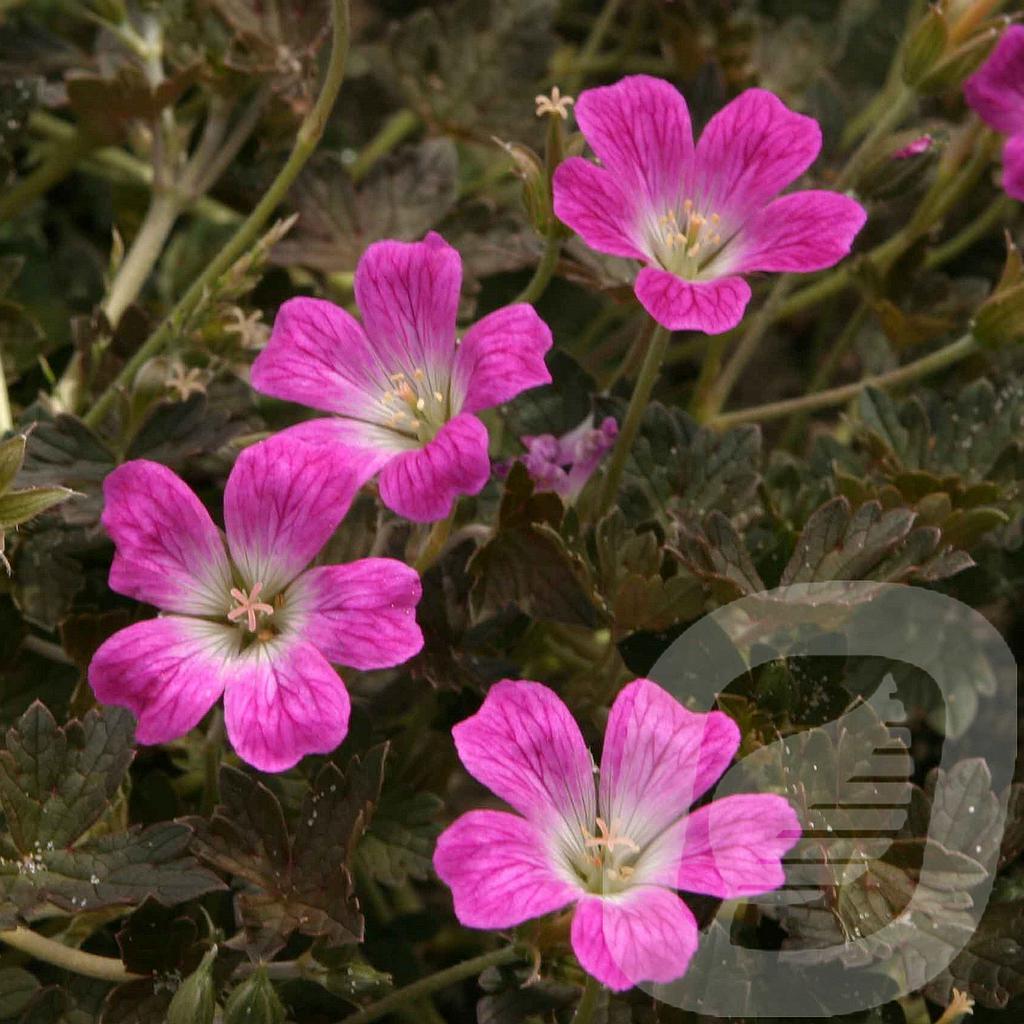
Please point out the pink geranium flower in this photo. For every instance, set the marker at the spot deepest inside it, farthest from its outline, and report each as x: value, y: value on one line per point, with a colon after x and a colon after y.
x: 246, y: 618
x: 404, y: 389
x: 614, y: 850
x: 565, y: 464
x: 996, y: 92
x: 699, y: 216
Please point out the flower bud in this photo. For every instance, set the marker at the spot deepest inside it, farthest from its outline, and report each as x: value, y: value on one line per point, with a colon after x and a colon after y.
x: 959, y: 62
x: 1000, y: 320
x: 925, y: 46
x: 195, y: 1002
x: 254, y: 1002
x: 530, y: 169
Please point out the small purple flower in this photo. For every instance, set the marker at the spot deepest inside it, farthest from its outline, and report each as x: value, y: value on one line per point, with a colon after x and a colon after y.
x: 996, y: 92
x: 403, y: 388
x: 615, y: 850
x: 700, y: 216
x: 565, y: 464
x: 246, y: 618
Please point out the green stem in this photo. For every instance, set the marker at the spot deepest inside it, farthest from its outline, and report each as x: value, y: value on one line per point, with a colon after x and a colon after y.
x: 52, y: 952
x: 538, y: 284
x: 588, y: 1002
x: 56, y: 166
x: 113, y: 164
x: 952, y: 353
x: 718, y: 393
x: 634, y: 415
x: 141, y: 256
x: 594, y: 41
x: 6, y: 418
x: 397, y: 128
x: 434, y: 543
x: 308, y: 138
x: 433, y: 983
x: 994, y: 214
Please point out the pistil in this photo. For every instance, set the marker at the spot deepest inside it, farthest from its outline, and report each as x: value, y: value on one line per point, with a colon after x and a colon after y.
x: 249, y: 606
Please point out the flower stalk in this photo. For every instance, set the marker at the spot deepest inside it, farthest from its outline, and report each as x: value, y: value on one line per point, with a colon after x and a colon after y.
x: 307, y: 139
x: 955, y: 352
x: 37, y: 946
x: 638, y: 403
x: 588, y: 1002
x: 434, y: 983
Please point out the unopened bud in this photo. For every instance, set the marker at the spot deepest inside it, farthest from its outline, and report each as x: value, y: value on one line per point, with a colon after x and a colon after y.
x: 530, y: 169
x: 926, y: 46
x: 254, y: 1001
x: 195, y: 1002
x: 959, y: 62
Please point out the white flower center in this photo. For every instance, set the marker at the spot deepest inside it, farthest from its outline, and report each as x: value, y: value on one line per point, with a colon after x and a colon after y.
x: 608, y: 860
x: 415, y: 405
x: 684, y: 240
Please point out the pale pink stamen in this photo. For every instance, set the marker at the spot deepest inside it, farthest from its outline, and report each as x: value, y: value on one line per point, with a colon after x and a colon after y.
x: 249, y: 606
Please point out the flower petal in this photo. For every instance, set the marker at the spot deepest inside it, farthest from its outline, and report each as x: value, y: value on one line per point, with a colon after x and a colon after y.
x: 659, y: 758
x: 710, y: 306
x: 800, y: 232
x: 590, y: 200
x: 996, y: 89
x: 642, y: 934
x: 168, y: 671
x: 362, y: 614
x: 750, y: 150
x: 640, y: 129
x: 318, y: 355
x: 729, y: 848
x: 408, y: 294
x: 499, y: 357
x: 169, y: 553
x: 1013, y: 167
x: 499, y: 870
x: 282, y: 502
x: 525, y: 746
x: 283, y: 702
x: 422, y: 484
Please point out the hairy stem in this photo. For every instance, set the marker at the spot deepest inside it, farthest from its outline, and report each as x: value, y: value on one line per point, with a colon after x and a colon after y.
x: 396, y: 129
x: 545, y: 269
x: 939, y: 360
x: 433, y: 983
x: 52, y: 952
x: 634, y: 414
x: 588, y: 1001
x: 434, y: 543
x: 306, y: 141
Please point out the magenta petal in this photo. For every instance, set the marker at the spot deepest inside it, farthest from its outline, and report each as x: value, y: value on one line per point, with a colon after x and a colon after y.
x: 525, y: 746
x: 282, y: 501
x: 362, y: 614
x: 800, y: 232
x: 640, y: 129
x: 318, y: 355
x: 169, y: 553
x: 642, y: 934
x: 499, y: 870
x: 422, y: 484
x: 750, y: 150
x: 500, y: 356
x: 709, y: 306
x: 996, y: 89
x: 730, y: 848
x: 284, y: 702
x: 659, y: 758
x: 590, y: 200
x: 408, y: 294
x: 168, y: 671
x: 1013, y: 167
